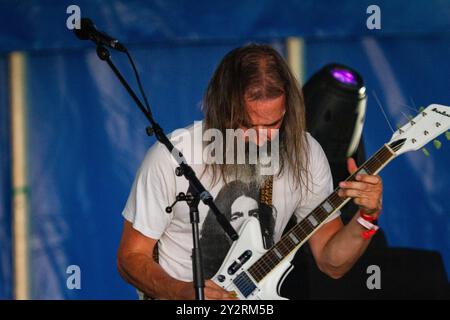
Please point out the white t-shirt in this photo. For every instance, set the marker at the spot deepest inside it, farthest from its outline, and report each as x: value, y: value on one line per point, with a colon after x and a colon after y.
x: 156, y: 186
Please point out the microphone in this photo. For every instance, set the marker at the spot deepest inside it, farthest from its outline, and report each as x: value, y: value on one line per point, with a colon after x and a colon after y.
x: 88, y: 31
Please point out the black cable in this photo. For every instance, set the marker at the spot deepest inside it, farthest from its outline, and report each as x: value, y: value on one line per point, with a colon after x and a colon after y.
x: 136, y: 73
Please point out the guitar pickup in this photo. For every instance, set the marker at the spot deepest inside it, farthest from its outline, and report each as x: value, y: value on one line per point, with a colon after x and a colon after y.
x: 243, y: 258
x: 236, y: 265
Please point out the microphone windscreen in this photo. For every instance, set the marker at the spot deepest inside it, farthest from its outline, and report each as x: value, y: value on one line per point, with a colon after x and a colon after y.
x: 86, y: 25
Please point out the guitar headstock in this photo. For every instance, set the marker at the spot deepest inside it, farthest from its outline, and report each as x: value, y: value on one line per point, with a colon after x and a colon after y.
x: 423, y: 128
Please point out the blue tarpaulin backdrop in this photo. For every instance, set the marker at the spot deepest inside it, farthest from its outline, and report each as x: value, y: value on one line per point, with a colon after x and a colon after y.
x: 86, y: 137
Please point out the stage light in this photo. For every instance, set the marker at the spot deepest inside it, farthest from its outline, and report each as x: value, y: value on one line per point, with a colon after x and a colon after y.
x: 344, y: 76
x: 335, y: 100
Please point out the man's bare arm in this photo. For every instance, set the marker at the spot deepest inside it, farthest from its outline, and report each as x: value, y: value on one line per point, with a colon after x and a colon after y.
x: 336, y: 247
x: 136, y: 265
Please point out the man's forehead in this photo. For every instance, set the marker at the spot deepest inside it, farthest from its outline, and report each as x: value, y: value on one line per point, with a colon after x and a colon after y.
x: 265, y: 105
x: 267, y: 110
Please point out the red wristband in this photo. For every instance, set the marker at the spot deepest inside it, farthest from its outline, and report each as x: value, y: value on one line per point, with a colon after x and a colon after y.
x: 366, y: 221
x: 368, y: 234
x: 368, y: 217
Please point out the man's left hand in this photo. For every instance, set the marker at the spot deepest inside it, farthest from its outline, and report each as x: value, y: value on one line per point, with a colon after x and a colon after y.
x: 366, y: 191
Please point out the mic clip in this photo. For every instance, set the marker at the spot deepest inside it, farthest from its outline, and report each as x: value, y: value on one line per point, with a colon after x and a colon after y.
x: 189, y: 198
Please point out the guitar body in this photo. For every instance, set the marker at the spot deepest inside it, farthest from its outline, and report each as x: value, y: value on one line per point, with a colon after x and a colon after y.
x: 250, y: 241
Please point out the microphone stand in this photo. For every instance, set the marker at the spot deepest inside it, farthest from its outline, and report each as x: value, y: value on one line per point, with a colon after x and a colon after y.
x: 192, y: 199
x: 196, y: 191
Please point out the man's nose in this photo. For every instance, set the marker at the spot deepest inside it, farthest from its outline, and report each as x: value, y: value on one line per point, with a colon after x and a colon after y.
x: 262, y: 136
x: 258, y: 136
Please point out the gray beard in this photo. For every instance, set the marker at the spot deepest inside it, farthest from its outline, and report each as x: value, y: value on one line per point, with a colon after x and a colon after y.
x: 249, y: 173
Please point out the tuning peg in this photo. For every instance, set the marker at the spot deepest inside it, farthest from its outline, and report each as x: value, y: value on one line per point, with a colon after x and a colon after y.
x: 447, y: 135
x: 425, y: 151
x: 437, y: 144
x: 410, y: 118
x: 399, y: 128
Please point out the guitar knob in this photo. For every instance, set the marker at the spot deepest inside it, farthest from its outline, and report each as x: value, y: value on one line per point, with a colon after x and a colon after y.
x: 221, y: 278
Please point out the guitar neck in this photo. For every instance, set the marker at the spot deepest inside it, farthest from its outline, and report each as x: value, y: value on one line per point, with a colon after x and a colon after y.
x: 301, y: 232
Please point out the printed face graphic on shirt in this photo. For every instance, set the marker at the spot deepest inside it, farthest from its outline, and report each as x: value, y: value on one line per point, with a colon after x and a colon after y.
x: 242, y: 208
x: 237, y: 201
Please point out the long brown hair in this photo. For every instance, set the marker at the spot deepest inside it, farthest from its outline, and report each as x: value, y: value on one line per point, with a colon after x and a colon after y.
x: 258, y: 72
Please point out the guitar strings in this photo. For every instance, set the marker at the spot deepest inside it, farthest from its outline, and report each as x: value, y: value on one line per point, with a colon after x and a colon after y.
x: 382, y: 110
x: 259, y: 264
x: 266, y: 259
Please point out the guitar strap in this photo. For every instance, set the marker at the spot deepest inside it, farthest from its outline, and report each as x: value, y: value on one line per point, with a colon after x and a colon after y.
x: 265, y: 211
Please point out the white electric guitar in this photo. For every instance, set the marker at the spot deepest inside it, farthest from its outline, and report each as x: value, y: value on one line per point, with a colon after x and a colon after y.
x: 256, y: 273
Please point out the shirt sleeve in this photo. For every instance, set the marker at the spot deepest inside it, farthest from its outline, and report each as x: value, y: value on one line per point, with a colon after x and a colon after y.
x: 320, y: 182
x: 152, y: 191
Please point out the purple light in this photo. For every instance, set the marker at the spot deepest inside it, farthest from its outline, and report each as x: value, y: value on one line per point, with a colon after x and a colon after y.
x: 344, y: 76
